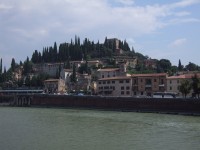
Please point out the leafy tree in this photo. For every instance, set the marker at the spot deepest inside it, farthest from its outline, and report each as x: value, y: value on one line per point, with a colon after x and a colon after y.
x: 165, y: 64
x: 196, y: 85
x: 185, y: 87
x: 191, y: 67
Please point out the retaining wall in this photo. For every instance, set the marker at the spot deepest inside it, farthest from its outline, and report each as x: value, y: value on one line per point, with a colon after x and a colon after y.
x: 119, y: 103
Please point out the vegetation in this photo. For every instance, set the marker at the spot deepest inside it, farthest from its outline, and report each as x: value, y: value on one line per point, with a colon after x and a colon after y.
x: 87, y: 50
x: 195, y: 85
x: 185, y: 88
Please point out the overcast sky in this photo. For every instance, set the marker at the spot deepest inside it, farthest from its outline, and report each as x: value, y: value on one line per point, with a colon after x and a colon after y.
x: 160, y: 29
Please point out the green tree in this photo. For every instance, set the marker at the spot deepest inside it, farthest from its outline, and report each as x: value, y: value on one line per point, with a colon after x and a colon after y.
x: 13, y: 64
x: 196, y: 85
x: 73, y: 76
x: 180, y: 66
x: 165, y: 64
x: 1, y: 66
x: 185, y: 88
x: 191, y: 67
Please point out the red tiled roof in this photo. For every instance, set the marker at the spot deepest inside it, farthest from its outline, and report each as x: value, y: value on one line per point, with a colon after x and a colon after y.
x: 183, y: 76
x: 115, y: 78
x: 149, y: 75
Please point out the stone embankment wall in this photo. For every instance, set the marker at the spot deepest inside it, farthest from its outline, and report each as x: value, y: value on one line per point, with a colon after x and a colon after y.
x: 119, y: 103
x: 6, y: 100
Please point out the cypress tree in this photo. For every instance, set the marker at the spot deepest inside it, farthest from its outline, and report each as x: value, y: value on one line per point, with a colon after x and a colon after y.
x: 13, y: 64
x: 1, y: 67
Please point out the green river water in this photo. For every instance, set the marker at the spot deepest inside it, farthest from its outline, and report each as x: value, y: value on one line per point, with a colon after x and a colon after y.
x: 77, y: 129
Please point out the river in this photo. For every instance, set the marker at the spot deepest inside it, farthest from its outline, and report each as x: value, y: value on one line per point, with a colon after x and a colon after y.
x: 77, y: 129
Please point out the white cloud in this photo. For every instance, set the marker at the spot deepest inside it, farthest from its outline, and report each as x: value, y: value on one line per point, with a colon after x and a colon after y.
x: 126, y: 2
x: 178, y: 42
x: 5, y: 7
x: 55, y: 20
x: 184, y: 3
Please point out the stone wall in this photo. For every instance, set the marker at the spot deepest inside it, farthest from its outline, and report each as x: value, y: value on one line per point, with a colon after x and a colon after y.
x: 119, y: 103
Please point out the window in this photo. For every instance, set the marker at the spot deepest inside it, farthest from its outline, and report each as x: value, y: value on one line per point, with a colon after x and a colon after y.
x: 170, y: 81
x: 113, y: 88
x: 122, y: 92
x: 141, y: 80
x: 104, y: 82
x: 177, y: 81
x: 127, y: 92
x: 127, y: 88
x: 108, y: 75
x: 127, y: 81
x: 99, y: 82
x: 122, y: 88
x: 121, y: 81
x: 102, y: 76
x: 170, y: 88
x: 155, y: 80
x: 113, y: 82
x: 108, y: 82
x: 141, y: 93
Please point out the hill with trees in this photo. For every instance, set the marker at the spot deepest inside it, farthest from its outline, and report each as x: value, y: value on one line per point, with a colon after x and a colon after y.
x: 88, y: 50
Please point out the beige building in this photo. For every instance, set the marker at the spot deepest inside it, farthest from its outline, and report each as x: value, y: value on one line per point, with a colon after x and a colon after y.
x: 115, y: 86
x: 91, y: 63
x: 129, y: 61
x: 111, y: 72
x: 49, y: 68
x: 54, y: 86
x: 174, y: 82
x: 147, y: 84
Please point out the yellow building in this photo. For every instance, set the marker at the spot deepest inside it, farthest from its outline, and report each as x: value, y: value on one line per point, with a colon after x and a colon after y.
x: 54, y: 86
x: 115, y: 86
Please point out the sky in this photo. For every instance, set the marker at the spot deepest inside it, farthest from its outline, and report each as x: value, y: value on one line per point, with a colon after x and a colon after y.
x: 156, y: 28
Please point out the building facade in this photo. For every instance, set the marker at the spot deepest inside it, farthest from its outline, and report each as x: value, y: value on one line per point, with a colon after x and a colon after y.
x: 54, y: 86
x: 115, y: 86
x: 147, y: 84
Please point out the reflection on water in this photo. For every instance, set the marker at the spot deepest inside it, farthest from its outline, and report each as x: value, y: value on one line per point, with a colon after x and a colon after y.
x: 61, y: 129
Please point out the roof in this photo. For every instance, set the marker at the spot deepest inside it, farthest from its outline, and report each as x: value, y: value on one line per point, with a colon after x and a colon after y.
x: 52, y: 80
x: 116, y: 78
x: 67, y: 70
x: 108, y: 69
x: 183, y: 76
x: 149, y: 75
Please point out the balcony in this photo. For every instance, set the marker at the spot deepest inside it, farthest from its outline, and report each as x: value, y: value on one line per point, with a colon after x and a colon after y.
x: 148, y: 86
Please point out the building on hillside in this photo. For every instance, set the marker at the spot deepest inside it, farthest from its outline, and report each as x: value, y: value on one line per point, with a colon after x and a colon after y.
x: 65, y: 74
x: 150, y: 63
x: 111, y: 72
x: 147, y: 84
x: 54, y: 86
x: 129, y: 61
x: 76, y: 63
x: 174, y: 82
x: 17, y: 74
x: 52, y: 69
x: 91, y: 63
x: 94, y: 63
x: 115, y: 86
x: 83, y: 83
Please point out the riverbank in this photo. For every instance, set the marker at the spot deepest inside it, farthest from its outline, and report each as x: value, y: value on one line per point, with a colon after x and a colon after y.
x: 167, y: 106
x: 149, y: 105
